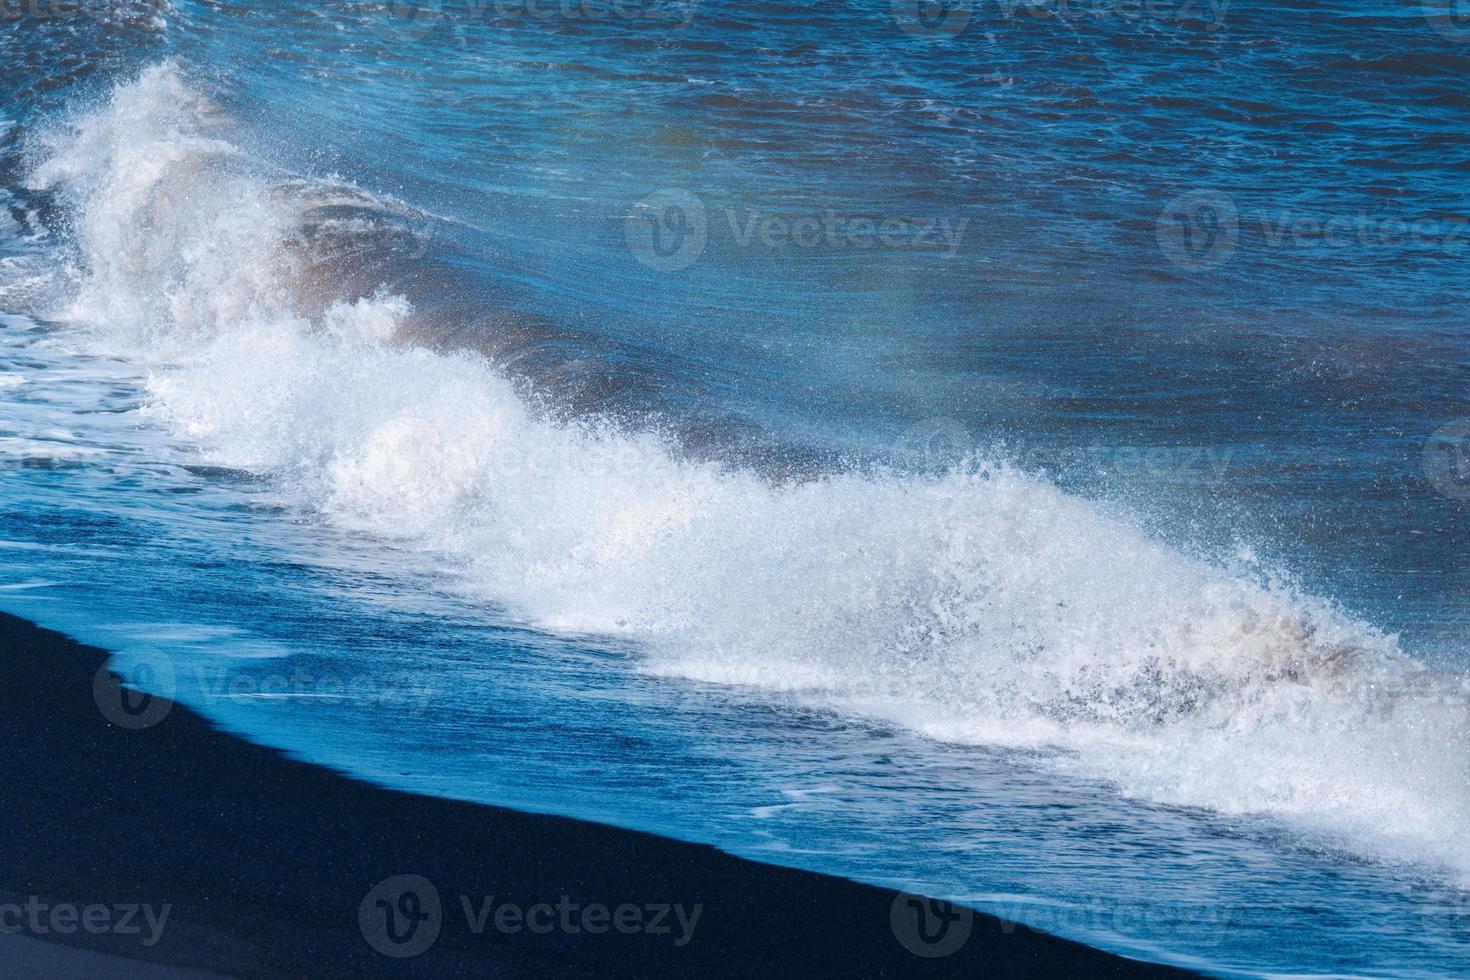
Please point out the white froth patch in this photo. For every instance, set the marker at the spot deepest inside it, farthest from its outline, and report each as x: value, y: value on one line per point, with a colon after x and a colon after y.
x: 14, y: 448
x: 373, y: 320
x: 983, y: 605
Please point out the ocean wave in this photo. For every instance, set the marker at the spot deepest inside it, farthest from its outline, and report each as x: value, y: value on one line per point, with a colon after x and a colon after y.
x: 978, y: 605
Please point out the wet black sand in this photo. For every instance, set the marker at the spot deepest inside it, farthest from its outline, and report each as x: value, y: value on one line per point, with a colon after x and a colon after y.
x: 265, y: 864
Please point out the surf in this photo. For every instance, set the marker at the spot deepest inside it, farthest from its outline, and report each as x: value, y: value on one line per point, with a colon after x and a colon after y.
x: 979, y: 605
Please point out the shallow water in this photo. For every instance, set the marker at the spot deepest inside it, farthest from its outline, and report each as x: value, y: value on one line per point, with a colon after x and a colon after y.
x: 774, y: 428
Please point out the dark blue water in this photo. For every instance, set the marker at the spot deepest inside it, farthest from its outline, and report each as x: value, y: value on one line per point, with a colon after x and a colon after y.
x: 1034, y: 433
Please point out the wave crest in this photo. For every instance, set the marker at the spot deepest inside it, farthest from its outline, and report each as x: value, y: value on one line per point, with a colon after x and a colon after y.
x: 977, y: 605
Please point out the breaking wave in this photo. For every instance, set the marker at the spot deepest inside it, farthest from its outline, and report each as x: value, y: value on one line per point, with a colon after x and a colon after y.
x: 980, y: 605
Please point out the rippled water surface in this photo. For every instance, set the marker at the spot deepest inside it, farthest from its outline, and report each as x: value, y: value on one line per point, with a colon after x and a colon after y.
x: 1011, y: 452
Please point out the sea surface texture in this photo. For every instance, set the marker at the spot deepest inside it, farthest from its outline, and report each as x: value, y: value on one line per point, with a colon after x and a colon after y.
x: 1012, y: 451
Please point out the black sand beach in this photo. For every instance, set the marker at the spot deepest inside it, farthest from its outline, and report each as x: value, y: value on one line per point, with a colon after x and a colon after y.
x: 176, y: 850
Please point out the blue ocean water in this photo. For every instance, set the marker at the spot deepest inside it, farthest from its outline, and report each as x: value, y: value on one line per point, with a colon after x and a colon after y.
x: 1010, y: 451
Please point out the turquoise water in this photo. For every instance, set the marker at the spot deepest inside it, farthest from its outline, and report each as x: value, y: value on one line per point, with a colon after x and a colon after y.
x: 1015, y: 456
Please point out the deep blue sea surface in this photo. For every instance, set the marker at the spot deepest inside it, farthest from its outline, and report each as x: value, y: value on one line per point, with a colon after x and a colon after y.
x: 1012, y: 451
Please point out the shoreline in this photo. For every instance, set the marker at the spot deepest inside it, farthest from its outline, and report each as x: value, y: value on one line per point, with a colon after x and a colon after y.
x: 237, y: 860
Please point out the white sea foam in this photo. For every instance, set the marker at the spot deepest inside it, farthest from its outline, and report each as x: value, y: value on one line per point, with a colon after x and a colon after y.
x: 12, y: 448
x: 983, y: 605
